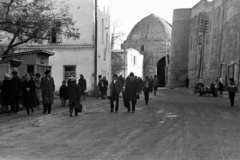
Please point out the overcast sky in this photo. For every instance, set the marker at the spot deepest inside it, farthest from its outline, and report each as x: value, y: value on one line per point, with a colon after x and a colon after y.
x: 132, y: 11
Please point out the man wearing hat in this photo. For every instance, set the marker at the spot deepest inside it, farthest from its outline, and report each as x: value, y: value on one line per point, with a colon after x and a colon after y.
x: 131, y: 91
x: 17, y: 91
x: 115, y: 89
x: 74, y: 93
x: 48, y: 88
x: 232, y: 88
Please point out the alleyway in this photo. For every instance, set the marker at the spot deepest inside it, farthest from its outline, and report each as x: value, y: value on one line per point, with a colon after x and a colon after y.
x: 174, y: 126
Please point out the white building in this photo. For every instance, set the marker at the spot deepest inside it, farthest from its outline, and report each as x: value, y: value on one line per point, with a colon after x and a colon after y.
x: 133, y: 62
x: 75, y: 57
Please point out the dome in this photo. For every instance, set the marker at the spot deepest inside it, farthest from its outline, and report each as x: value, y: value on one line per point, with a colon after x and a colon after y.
x: 151, y: 27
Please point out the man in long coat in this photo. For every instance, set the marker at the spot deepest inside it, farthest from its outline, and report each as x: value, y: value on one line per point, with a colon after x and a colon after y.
x: 115, y: 89
x: 131, y: 91
x: 17, y: 91
x: 83, y: 84
x: 74, y: 93
x: 48, y: 88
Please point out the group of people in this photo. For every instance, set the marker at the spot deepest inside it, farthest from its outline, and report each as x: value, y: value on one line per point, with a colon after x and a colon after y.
x: 131, y: 89
x: 31, y: 90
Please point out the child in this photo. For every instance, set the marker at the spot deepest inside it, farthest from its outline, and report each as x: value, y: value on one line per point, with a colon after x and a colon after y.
x: 63, y: 93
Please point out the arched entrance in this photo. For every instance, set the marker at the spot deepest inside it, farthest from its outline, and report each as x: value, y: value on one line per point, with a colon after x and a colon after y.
x: 161, y: 72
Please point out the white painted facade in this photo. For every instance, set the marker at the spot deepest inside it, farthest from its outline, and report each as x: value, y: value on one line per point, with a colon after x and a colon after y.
x: 134, y: 62
x: 79, y: 54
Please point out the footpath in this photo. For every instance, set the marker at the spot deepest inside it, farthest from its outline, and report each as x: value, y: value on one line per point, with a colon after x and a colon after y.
x: 223, y: 95
x: 21, y: 120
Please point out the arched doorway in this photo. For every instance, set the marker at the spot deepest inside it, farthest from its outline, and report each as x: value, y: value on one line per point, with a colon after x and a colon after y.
x: 161, y: 72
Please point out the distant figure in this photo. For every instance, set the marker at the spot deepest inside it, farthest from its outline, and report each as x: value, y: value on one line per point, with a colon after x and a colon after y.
x: 220, y: 85
x: 146, y: 89
x: 28, y: 88
x: 232, y: 88
x: 100, y: 86
x: 187, y: 82
x: 151, y: 84
x: 7, y: 93
x: 48, y: 88
x: 104, y: 88
x: 131, y: 92
x: 74, y: 93
x: 155, y: 83
x: 115, y: 89
x: 38, y: 90
x: 17, y: 92
x: 83, y: 84
x: 63, y: 93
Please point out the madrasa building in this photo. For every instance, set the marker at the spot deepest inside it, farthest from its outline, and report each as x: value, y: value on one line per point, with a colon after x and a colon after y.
x: 205, y: 43
x: 151, y: 37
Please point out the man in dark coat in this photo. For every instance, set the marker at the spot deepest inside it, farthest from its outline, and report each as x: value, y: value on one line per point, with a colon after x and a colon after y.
x: 28, y: 88
x: 146, y: 88
x: 48, y: 88
x: 83, y: 84
x: 74, y: 93
x: 7, y: 93
x: 131, y: 92
x: 17, y: 91
x: 104, y: 88
x: 115, y: 89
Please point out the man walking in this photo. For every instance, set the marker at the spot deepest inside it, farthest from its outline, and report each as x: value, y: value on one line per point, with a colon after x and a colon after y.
x: 146, y: 89
x: 83, y: 84
x: 74, y: 93
x: 48, y: 87
x: 17, y: 92
x: 232, y: 88
x: 131, y: 92
x: 115, y: 89
x: 155, y: 83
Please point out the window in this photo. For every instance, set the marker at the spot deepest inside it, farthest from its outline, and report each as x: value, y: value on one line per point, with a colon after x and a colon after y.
x: 56, y: 36
x: 69, y: 71
x: 142, y: 48
x: 134, y: 59
x: 30, y: 69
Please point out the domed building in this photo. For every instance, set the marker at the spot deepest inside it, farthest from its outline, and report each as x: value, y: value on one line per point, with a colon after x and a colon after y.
x: 151, y: 37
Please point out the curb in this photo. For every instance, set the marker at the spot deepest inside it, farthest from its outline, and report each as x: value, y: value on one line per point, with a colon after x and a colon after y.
x: 40, y: 120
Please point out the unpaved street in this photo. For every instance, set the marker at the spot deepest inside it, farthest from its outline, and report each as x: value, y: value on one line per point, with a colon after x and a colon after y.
x: 174, y: 126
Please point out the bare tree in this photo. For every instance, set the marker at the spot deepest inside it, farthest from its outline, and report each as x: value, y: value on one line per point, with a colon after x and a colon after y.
x: 117, y: 63
x: 22, y: 22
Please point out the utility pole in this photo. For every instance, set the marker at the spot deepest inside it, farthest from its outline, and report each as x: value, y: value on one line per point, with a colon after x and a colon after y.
x: 203, y: 29
x: 95, y: 48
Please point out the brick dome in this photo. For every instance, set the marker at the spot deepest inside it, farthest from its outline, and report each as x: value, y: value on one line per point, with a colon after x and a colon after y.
x: 151, y: 27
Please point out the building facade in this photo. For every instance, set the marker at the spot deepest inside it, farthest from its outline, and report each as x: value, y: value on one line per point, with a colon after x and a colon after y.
x: 205, y: 43
x: 75, y: 57
x: 151, y: 37
x: 133, y: 62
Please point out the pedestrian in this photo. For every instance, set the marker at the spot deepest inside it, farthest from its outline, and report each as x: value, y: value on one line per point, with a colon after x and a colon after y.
x: 83, y: 84
x: 74, y: 93
x: 155, y: 83
x: 104, y: 88
x: 115, y: 89
x: 17, y: 92
x: 48, y: 88
x: 100, y: 86
x: 232, y: 88
x: 38, y: 91
x: 63, y: 93
x: 28, y: 88
x: 140, y: 84
x: 151, y: 84
x: 0, y: 92
x: 7, y: 93
x: 146, y: 89
x: 187, y: 81
x: 131, y: 92
x: 220, y: 85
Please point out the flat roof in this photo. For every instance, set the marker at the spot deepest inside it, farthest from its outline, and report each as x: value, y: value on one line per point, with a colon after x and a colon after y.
x: 30, y: 52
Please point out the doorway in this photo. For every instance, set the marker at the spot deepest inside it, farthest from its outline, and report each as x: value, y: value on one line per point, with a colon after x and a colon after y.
x: 161, y: 72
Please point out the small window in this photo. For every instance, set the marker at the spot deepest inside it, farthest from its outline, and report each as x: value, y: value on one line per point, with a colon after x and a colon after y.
x: 134, y: 59
x: 30, y: 69
x: 142, y: 48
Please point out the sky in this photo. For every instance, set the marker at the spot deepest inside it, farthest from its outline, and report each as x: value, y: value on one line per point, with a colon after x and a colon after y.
x: 130, y: 12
